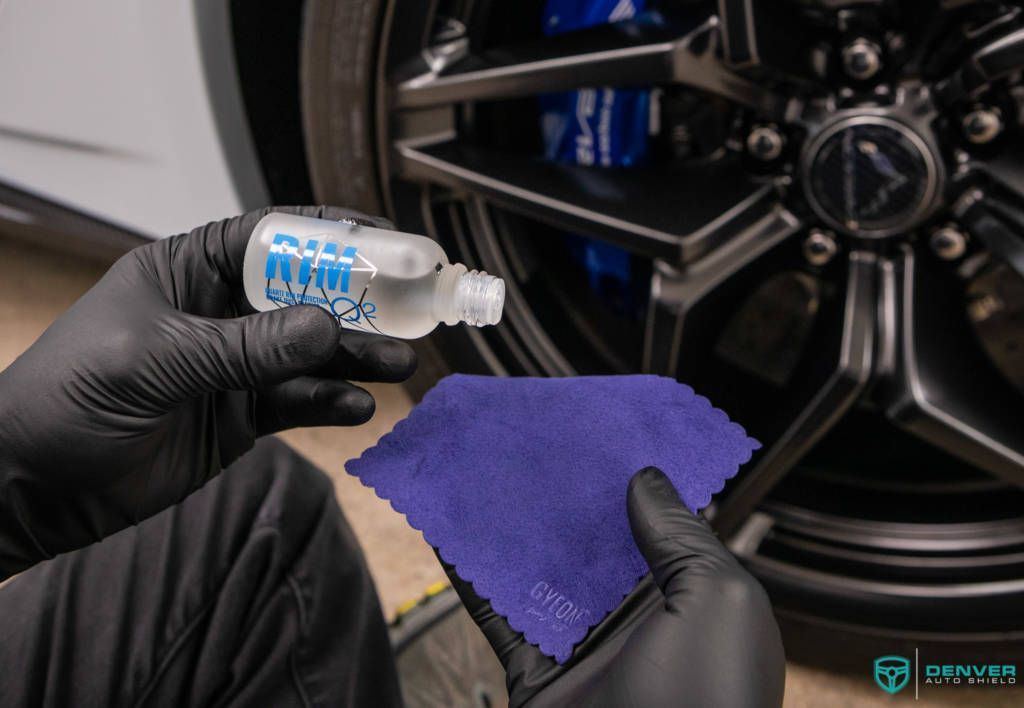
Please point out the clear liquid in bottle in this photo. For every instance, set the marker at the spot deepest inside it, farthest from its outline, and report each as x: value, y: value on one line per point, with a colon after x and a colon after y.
x: 370, y: 279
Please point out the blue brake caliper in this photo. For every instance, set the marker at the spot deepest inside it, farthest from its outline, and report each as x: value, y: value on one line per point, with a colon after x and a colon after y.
x: 599, y: 126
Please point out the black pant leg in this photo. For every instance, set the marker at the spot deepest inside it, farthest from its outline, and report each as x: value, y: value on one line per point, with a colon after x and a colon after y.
x: 253, y: 591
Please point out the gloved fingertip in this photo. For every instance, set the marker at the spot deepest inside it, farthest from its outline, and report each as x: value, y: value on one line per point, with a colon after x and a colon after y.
x: 651, y: 487
x: 358, y: 406
x: 646, y: 476
x: 394, y: 360
x: 662, y: 524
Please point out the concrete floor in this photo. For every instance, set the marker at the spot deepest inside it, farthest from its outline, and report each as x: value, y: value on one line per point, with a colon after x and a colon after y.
x: 34, y: 291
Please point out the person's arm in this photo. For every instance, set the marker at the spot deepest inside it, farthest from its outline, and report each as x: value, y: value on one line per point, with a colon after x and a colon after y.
x: 698, y: 632
x: 159, y: 377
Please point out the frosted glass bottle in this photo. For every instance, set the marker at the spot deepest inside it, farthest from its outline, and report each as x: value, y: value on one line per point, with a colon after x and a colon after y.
x: 370, y: 279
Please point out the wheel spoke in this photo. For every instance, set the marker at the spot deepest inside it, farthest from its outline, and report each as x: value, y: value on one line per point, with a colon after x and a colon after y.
x: 993, y: 61
x: 757, y: 34
x: 610, y: 55
x: 625, y: 208
x: 621, y: 54
x: 997, y: 223
x: 676, y: 291
x: 943, y: 389
x: 850, y: 377
x: 1005, y: 169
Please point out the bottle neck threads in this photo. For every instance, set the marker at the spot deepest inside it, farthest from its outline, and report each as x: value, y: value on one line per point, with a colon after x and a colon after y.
x: 473, y: 297
x: 479, y: 298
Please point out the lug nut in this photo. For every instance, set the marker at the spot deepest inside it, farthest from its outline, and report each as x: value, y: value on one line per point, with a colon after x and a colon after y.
x: 820, y: 247
x: 948, y: 242
x: 982, y: 125
x: 765, y: 142
x: 862, y: 59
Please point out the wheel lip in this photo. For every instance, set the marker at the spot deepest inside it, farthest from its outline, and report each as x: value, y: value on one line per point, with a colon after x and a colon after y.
x: 899, y: 536
x: 1011, y: 637
x: 873, y: 116
x: 848, y: 587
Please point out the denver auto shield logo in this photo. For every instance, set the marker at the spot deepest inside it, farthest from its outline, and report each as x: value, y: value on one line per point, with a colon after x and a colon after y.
x: 892, y: 673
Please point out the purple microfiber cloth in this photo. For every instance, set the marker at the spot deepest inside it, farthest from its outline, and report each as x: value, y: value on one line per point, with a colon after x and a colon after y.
x: 520, y: 483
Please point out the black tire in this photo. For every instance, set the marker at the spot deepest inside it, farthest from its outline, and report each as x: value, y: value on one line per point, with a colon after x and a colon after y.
x: 338, y: 56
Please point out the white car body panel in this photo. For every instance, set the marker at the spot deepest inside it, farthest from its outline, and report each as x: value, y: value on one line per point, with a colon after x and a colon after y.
x: 105, y: 108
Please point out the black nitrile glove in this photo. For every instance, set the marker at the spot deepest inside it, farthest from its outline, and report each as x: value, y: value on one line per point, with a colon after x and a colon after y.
x: 152, y: 383
x: 701, y: 633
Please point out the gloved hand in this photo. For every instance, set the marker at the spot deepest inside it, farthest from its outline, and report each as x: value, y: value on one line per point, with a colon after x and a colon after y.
x: 700, y: 633
x: 152, y: 383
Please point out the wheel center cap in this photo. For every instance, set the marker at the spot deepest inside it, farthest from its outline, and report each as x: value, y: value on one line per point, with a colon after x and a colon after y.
x: 870, y: 176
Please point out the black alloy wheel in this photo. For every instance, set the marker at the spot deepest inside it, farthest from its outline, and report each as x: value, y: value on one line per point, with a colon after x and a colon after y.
x: 826, y: 242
